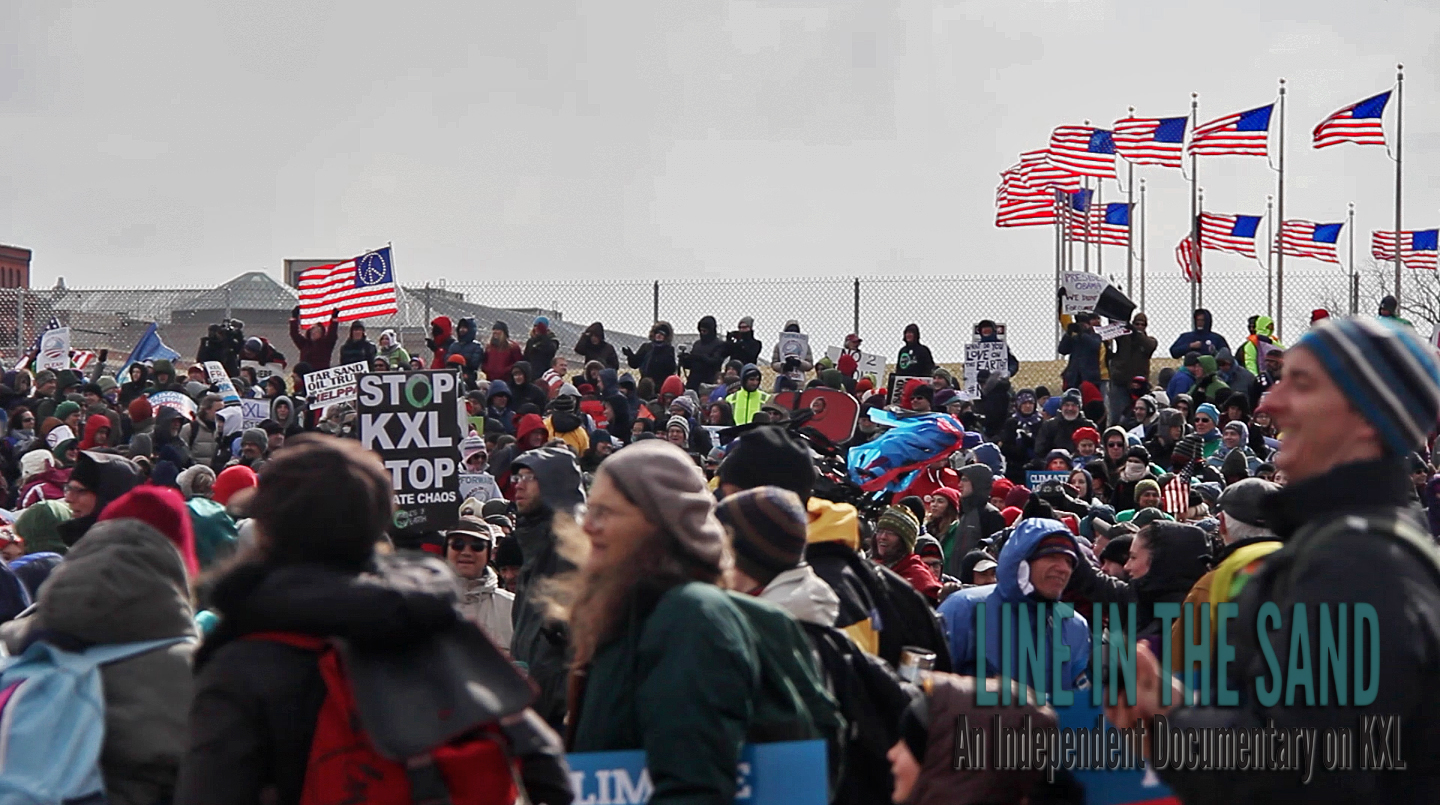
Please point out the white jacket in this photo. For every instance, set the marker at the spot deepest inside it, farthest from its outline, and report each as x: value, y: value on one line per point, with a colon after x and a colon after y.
x: 804, y: 595
x: 488, y: 606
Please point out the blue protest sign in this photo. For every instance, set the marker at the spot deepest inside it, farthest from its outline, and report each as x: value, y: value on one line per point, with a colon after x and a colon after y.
x: 783, y: 773
x: 1113, y: 786
x: 1033, y: 478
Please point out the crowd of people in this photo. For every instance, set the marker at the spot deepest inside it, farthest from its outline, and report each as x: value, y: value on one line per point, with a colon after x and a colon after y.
x: 668, y: 559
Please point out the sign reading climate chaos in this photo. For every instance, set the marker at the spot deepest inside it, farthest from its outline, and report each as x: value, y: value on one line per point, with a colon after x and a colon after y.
x: 413, y: 420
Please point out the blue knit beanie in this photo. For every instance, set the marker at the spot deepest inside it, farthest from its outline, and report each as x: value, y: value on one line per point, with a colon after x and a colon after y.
x: 1387, y: 373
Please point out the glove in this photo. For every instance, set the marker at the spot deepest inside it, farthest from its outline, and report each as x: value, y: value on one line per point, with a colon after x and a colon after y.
x: 295, y: 313
x: 628, y: 352
x: 104, y: 353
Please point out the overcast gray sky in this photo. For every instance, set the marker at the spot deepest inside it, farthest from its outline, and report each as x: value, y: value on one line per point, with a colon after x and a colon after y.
x: 181, y: 142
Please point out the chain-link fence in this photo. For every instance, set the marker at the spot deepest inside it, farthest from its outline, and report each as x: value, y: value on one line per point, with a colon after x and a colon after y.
x: 827, y: 308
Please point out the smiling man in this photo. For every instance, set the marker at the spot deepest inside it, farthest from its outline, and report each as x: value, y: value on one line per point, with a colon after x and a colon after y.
x: 1358, y: 395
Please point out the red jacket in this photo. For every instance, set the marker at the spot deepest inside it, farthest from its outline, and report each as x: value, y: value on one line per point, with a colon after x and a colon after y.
x: 499, y: 362
x: 315, y: 353
x: 45, y: 485
x: 914, y: 570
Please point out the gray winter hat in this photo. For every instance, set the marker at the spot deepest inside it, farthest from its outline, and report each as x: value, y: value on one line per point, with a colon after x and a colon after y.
x: 661, y: 479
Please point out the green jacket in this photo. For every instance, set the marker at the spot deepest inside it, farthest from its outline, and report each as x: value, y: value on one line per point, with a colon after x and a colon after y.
x: 694, y: 679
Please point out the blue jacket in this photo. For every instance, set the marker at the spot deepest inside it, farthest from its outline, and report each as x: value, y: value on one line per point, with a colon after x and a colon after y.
x: 1211, y: 342
x: 1181, y: 383
x: 958, y: 611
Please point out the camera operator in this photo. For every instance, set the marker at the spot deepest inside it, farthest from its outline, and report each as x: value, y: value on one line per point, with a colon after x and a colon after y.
x: 223, y: 344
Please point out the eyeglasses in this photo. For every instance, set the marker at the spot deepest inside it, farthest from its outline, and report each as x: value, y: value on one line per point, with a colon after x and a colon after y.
x: 476, y: 544
x: 1115, y: 444
x: 73, y: 488
x: 1204, y: 419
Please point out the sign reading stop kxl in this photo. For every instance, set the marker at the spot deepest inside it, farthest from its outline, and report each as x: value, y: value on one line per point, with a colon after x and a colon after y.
x: 414, y: 421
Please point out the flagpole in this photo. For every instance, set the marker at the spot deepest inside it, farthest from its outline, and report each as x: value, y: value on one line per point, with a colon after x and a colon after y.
x: 1399, y: 143
x: 1199, y: 249
x: 1099, y: 207
x: 1270, y: 256
x: 1350, y: 225
x: 1144, y: 222
x: 1280, y: 216
x: 1089, y: 199
x: 1055, y: 193
x: 1194, y: 209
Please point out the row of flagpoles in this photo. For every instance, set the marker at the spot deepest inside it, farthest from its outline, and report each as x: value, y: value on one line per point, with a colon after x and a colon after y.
x: 1052, y: 187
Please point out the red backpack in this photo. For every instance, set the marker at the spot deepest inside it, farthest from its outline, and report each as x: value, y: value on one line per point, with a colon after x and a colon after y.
x: 344, y: 767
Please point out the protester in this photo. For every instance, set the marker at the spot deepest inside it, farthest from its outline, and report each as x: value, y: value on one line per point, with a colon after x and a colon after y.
x: 914, y: 359
x: 468, y: 548
x: 793, y: 367
x: 316, y: 345
x: 592, y: 346
x: 741, y: 344
x: 656, y: 357
x: 1083, y: 348
x: 1202, y: 340
x: 542, y: 345
x: 895, y: 535
x: 98, y: 479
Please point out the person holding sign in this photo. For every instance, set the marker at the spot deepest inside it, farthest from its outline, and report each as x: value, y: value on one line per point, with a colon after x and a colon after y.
x: 791, y: 358
x: 665, y: 660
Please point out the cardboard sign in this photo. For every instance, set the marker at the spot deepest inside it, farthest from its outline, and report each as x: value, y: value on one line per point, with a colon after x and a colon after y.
x: 867, y: 365
x: 54, y: 350
x: 478, y: 485
x: 220, y: 379
x: 415, y: 421
x: 992, y: 356
x: 834, y: 413
x: 327, y: 387
x: 1080, y: 291
x: 793, y: 345
x: 253, y: 412
x: 1034, y: 478
x: 895, y: 387
x: 781, y: 773
x: 1112, y: 331
x: 264, y: 370
x: 173, y: 399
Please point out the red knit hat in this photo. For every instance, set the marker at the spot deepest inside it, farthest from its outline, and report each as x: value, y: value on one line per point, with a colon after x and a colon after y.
x: 1082, y: 434
x: 1011, y: 514
x: 1319, y: 313
x: 232, y: 480
x: 1001, y: 487
x: 140, y: 410
x: 163, y: 509
x: 952, y: 495
x: 673, y: 386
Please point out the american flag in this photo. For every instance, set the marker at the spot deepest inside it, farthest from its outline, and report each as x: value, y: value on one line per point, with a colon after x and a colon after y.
x: 1188, y: 257
x: 1037, y: 171
x: 1017, y: 203
x: 1418, y: 248
x: 1175, y: 497
x: 1084, y: 150
x: 1151, y: 140
x: 1229, y: 233
x: 364, y: 286
x: 82, y: 358
x: 1309, y: 239
x: 1357, y: 123
x: 1243, y: 133
x: 1103, y: 223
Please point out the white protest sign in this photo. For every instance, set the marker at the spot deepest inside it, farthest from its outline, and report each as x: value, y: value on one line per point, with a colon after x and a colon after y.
x: 54, y: 350
x: 793, y: 345
x: 1114, y: 330
x: 478, y: 485
x: 1081, y: 291
x: 867, y: 365
x: 253, y: 412
x: 326, y: 387
x: 264, y: 370
x: 220, y: 379
x: 174, y: 399
x: 984, y: 355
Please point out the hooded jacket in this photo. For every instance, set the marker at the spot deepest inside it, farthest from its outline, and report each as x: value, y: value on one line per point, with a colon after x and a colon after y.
x: 485, y: 604
x: 125, y: 583
x: 602, y: 352
x: 109, y: 476
x: 316, y: 353
x: 958, y: 611
x: 914, y: 359
x: 1131, y: 357
x: 505, y: 415
x: 1257, y: 345
x: 1083, y: 347
x: 1179, y: 556
x: 499, y: 360
x: 705, y: 357
x: 538, y: 641
x: 396, y: 355
x: 527, y: 392
x: 362, y: 351
x: 832, y: 551
x: 979, y: 518
x: 541, y: 347
x: 1058, y: 433
x: 804, y: 595
x: 466, y: 345
x: 655, y: 359
x: 441, y: 340
x: 1210, y: 387
x: 746, y: 404
x: 1209, y: 341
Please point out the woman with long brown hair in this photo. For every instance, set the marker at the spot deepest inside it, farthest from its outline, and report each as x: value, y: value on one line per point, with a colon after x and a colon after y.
x: 664, y: 659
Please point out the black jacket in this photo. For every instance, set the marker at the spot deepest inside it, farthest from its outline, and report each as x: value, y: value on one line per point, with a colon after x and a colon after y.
x: 1057, y: 434
x: 602, y: 352
x: 742, y: 347
x: 357, y: 351
x: 527, y: 392
x: 1348, y: 564
x: 256, y: 701
x: 704, y: 360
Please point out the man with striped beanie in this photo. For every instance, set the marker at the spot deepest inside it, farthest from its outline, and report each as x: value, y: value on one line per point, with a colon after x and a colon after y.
x: 1358, y: 395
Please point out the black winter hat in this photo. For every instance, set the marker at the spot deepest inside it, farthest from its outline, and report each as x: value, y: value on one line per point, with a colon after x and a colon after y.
x: 769, y: 456
x: 508, y: 553
x: 502, y: 327
x: 1117, y: 550
x: 1242, y: 500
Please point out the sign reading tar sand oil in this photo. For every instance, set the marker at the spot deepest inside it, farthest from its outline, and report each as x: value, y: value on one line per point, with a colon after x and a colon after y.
x: 413, y: 420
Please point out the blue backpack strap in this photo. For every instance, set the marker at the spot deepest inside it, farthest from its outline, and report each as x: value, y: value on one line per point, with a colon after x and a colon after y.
x: 95, y: 656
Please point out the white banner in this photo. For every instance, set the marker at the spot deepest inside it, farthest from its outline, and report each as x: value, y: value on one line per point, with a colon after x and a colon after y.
x: 253, y: 412
x: 1111, y: 331
x: 871, y: 366
x: 174, y: 399
x: 54, y: 350
x: 264, y: 370
x: 326, y: 387
x: 991, y: 355
x: 220, y: 379
x: 1081, y: 291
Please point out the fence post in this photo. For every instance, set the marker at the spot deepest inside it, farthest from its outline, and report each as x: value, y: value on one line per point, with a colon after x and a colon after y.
x: 1354, y: 294
x: 19, y: 325
x: 655, y: 306
x: 857, y: 306
x: 227, y: 303
x: 425, y: 325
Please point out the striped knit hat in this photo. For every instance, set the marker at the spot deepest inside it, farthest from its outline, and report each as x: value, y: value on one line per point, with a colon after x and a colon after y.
x: 767, y: 526
x: 1386, y: 371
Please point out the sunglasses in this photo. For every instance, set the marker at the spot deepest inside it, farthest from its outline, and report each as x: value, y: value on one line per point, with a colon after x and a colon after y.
x: 1115, y: 444
x: 476, y: 544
